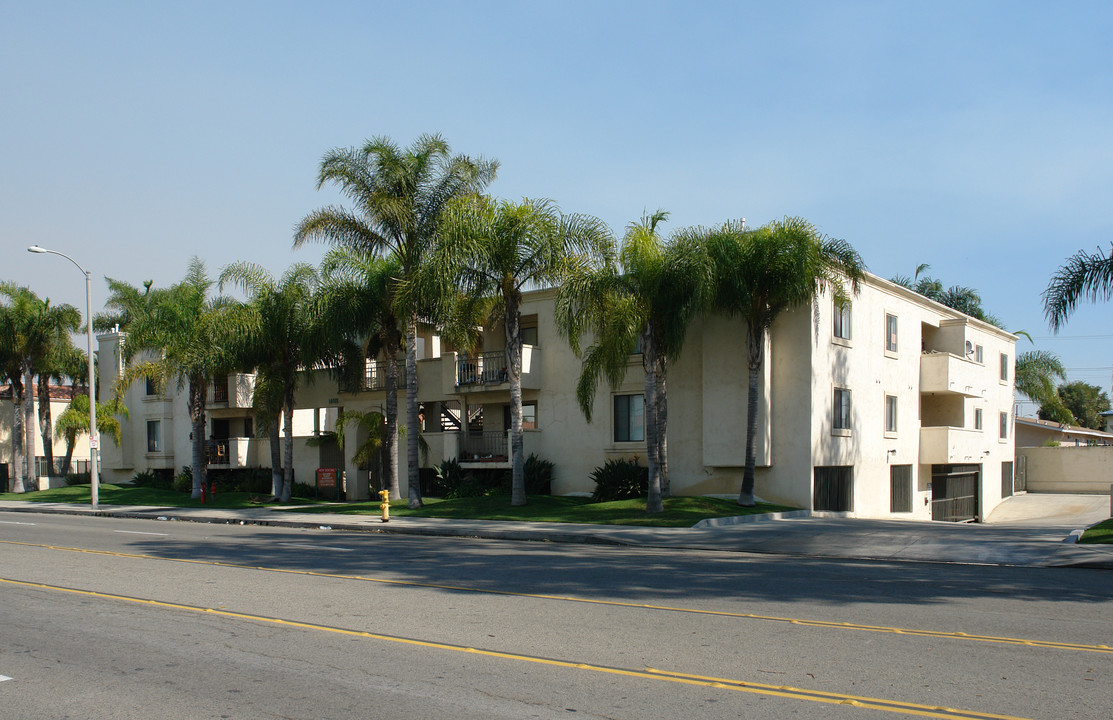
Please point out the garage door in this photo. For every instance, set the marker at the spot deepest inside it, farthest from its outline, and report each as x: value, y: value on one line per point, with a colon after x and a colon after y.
x: 954, y: 492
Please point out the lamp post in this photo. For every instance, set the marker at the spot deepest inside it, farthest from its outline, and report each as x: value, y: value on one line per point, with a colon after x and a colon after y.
x: 94, y: 436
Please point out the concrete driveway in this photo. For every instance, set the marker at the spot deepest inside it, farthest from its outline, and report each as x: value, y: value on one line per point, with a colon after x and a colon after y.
x: 1051, y: 510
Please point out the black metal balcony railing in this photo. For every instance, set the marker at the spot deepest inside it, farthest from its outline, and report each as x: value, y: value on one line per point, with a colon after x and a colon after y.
x: 216, y: 452
x: 489, y: 446
x: 374, y: 377
x: 220, y: 392
x: 487, y: 368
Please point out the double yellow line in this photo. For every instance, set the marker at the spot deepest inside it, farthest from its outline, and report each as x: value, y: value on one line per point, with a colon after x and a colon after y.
x: 782, y: 691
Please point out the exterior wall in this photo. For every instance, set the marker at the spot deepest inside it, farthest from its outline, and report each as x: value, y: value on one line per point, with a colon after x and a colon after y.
x: 1069, y: 469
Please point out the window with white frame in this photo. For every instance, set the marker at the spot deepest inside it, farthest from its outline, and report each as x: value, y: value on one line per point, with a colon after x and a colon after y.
x: 1004, y: 367
x: 890, y: 333
x: 890, y: 413
x: 842, y: 321
x: 1004, y: 435
x: 979, y: 354
x: 629, y: 418
x: 977, y: 418
x: 154, y: 436
x: 842, y: 409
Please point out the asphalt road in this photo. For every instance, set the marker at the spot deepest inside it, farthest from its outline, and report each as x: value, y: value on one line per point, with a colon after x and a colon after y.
x: 110, y: 618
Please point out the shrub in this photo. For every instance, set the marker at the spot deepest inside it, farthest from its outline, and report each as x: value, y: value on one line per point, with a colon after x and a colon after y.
x: 539, y: 476
x: 619, y: 480
x: 79, y: 479
x: 183, y: 481
x: 303, y: 491
x: 453, y: 482
x: 155, y: 479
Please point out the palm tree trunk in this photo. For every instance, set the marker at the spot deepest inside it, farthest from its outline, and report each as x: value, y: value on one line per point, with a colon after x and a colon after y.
x: 31, y: 475
x: 755, y: 343
x: 390, y: 459
x: 512, y: 323
x: 276, y: 456
x: 662, y: 430
x: 46, y: 427
x: 412, y: 428
x: 653, y: 502
x: 288, y: 446
x: 18, y: 437
x: 197, y: 392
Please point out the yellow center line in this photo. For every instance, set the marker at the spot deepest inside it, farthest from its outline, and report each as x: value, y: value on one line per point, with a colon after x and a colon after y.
x: 826, y: 624
x: 783, y: 691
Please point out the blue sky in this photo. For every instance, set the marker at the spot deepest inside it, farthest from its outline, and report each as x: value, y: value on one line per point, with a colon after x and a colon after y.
x: 971, y: 136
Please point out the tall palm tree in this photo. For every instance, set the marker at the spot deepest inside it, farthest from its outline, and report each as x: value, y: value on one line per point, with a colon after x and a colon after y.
x: 1088, y: 276
x: 358, y: 296
x: 645, y: 294
x: 497, y: 247
x: 37, y: 334
x: 761, y: 273
x: 61, y: 359
x: 1035, y: 375
x: 184, y: 330
x: 399, y: 199
x: 277, y: 332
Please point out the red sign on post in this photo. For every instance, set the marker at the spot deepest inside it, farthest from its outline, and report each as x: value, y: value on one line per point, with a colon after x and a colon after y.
x: 328, y: 482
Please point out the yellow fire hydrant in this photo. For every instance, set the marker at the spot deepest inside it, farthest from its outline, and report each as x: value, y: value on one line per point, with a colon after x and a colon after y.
x: 385, y: 504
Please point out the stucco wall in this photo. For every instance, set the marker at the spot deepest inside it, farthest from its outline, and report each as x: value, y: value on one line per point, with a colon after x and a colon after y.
x: 1069, y: 469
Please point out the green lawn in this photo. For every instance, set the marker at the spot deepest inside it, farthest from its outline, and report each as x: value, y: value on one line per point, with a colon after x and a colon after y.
x: 1100, y: 533
x: 679, y: 511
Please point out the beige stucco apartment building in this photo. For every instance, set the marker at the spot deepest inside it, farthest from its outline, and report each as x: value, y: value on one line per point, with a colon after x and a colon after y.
x: 895, y: 407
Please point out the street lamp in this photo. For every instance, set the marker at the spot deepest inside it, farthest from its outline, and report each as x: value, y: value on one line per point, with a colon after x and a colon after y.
x: 94, y: 436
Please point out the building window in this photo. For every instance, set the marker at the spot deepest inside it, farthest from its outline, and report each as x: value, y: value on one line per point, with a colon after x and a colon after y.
x: 842, y: 321
x: 833, y: 489
x: 890, y: 413
x: 1004, y: 367
x: 629, y: 418
x: 529, y: 335
x: 900, y: 488
x: 891, y: 333
x: 979, y: 354
x: 1004, y: 426
x: 977, y: 418
x: 154, y: 436
x: 248, y: 427
x: 152, y: 389
x: 842, y: 409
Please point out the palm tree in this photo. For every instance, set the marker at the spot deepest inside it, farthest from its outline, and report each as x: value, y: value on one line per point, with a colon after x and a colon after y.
x: 761, y: 273
x: 278, y: 333
x: 374, y: 426
x: 358, y: 297
x: 1085, y: 275
x: 646, y: 294
x: 400, y: 198
x: 184, y: 331
x: 37, y: 335
x: 957, y: 297
x: 74, y: 421
x: 495, y: 248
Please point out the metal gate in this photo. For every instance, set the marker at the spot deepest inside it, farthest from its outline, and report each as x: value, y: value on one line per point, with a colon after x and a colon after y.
x: 954, y: 492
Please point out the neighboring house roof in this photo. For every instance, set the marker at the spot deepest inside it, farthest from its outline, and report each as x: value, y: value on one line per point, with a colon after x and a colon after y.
x: 1066, y: 433
x: 57, y: 392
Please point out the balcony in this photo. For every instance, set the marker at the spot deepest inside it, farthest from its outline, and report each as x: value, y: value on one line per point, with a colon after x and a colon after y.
x: 488, y: 369
x: 237, y: 452
x: 942, y: 372
x: 233, y: 391
x: 374, y: 377
x: 942, y: 445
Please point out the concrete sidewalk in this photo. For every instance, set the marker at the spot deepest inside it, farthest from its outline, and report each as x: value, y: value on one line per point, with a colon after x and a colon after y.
x: 839, y: 538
